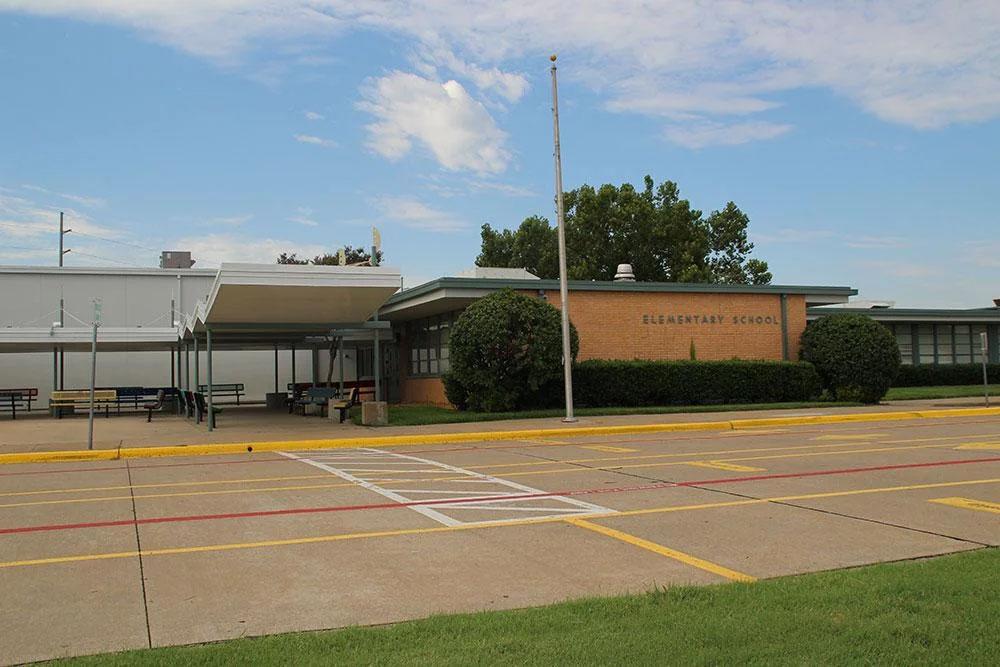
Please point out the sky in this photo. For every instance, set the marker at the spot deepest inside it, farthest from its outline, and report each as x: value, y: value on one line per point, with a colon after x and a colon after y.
x: 860, y: 137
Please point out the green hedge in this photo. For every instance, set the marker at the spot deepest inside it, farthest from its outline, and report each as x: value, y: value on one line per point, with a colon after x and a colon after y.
x: 929, y: 375
x: 600, y: 383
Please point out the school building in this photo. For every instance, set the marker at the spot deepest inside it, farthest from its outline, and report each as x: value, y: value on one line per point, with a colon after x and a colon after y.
x: 272, y: 325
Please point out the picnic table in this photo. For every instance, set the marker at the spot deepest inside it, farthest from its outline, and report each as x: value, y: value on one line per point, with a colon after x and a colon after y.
x: 27, y: 395
x: 224, y: 390
x: 81, y: 398
x: 11, y: 400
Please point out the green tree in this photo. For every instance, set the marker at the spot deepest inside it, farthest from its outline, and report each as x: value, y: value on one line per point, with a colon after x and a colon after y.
x: 354, y: 256
x: 856, y: 357
x: 653, y: 229
x: 506, y: 353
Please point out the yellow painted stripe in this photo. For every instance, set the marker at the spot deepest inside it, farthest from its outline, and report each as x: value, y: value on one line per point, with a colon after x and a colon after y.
x: 513, y: 522
x: 609, y: 448
x: 970, y: 504
x: 182, y: 494
x: 858, y: 436
x: 719, y: 452
x: 679, y: 556
x: 979, y: 445
x: 86, y: 489
x: 483, y: 436
x: 720, y: 465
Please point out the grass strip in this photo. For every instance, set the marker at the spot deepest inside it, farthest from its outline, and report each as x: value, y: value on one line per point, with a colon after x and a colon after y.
x: 935, y: 611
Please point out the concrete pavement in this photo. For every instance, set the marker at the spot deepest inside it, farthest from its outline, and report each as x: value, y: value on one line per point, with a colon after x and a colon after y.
x: 103, y: 556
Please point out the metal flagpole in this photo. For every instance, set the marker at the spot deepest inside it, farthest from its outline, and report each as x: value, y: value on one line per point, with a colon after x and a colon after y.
x: 561, y: 231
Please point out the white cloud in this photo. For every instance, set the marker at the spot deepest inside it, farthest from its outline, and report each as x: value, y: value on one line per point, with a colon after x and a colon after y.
x: 877, y: 242
x: 316, y: 141
x: 701, y: 135
x: 313, y: 115
x: 213, y: 249
x: 443, y: 118
x: 82, y: 200
x: 25, y: 218
x: 416, y: 214
x: 229, y: 221
x: 921, y: 64
x: 304, y: 216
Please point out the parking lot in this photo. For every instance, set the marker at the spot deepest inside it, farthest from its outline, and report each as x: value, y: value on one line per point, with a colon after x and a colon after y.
x: 103, y: 556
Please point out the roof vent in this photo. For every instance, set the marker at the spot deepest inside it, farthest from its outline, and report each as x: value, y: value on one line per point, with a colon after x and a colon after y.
x: 624, y: 274
x: 176, y: 259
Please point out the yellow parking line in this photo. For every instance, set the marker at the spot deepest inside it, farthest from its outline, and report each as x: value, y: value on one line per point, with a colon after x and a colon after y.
x: 609, y: 448
x: 474, y: 526
x: 87, y: 489
x: 969, y: 504
x: 720, y: 465
x: 854, y: 436
x: 679, y: 556
x: 70, y: 501
x: 979, y: 445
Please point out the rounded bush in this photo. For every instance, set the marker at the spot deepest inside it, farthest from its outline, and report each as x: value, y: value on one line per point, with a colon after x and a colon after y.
x: 856, y: 357
x: 506, y: 353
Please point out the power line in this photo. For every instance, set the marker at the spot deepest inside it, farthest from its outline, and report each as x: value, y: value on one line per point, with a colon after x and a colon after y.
x: 127, y: 243
x: 103, y: 259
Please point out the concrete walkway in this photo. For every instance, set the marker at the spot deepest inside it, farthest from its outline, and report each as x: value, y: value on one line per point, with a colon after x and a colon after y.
x: 249, y: 424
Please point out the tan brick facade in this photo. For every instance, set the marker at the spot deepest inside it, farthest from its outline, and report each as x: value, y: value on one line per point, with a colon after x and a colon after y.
x: 660, y: 325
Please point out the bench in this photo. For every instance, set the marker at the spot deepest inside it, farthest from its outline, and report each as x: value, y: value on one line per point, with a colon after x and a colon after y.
x: 11, y: 400
x: 343, y: 405
x: 157, y: 404
x: 224, y: 390
x: 315, y: 396
x: 28, y: 394
x: 202, y: 406
x: 81, y: 398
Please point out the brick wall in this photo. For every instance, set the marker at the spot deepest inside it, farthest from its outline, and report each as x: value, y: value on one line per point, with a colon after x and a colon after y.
x: 652, y: 325
x: 659, y: 325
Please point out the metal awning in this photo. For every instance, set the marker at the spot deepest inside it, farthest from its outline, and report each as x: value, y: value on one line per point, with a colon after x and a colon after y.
x: 254, y: 301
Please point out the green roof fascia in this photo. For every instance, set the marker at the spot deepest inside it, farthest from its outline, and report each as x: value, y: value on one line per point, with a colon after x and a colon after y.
x: 613, y: 286
x: 911, y: 313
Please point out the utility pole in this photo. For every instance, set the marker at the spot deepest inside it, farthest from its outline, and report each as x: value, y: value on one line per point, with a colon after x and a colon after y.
x: 561, y: 231
x: 93, y: 372
x: 62, y: 234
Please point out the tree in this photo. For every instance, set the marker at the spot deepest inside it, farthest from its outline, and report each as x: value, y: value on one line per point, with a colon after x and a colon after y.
x: 856, y: 357
x: 354, y: 256
x: 506, y: 353
x: 653, y: 229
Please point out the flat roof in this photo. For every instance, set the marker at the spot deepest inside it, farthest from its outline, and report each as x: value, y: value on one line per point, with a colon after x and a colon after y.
x: 446, y: 294
x: 914, y: 314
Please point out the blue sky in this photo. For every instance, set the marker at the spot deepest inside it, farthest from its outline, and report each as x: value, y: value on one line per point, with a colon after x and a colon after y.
x: 864, y: 156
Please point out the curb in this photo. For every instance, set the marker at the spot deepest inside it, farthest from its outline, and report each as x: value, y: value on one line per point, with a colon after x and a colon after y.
x: 444, y: 438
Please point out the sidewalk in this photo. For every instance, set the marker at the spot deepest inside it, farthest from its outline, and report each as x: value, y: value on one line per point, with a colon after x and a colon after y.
x: 248, y: 425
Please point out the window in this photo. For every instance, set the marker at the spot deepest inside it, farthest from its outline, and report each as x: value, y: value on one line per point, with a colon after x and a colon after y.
x: 904, y: 339
x: 925, y: 343
x: 945, y: 348
x: 977, y: 342
x: 963, y: 344
x: 428, y: 341
x: 365, y: 365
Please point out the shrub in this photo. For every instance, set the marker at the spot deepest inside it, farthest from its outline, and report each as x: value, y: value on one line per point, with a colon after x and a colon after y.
x: 856, y: 357
x: 600, y: 383
x: 506, y: 353
x: 929, y: 375
x: 454, y: 391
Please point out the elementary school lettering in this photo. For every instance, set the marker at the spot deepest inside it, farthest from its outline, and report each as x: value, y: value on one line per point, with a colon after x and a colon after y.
x: 709, y: 319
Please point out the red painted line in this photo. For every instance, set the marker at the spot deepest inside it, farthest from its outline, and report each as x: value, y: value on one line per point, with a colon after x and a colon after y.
x: 451, y: 501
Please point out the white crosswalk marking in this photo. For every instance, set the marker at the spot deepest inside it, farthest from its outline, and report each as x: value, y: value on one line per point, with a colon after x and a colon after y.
x: 372, y: 468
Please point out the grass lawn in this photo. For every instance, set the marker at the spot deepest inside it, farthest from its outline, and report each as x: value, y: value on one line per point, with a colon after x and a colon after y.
x: 959, y: 391
x: 938, y: 611
x: 413, y: 415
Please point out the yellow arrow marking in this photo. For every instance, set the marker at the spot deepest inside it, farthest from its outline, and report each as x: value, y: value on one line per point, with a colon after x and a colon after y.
x: 732, y: 467
x: 608, y: 448
x: 969, y: 504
